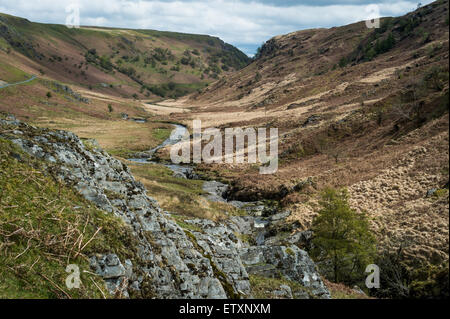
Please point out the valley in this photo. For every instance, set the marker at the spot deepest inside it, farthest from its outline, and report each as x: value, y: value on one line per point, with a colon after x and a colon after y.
x: 365, y: 110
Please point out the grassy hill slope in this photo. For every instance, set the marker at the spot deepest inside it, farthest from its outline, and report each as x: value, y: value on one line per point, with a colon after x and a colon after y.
x: 122, y: 62
x: 365, y: 109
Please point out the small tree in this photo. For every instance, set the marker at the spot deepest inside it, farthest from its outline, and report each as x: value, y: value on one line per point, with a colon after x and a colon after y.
x: 49, y: 95
x: 110, y: 108
x: 343, y: 245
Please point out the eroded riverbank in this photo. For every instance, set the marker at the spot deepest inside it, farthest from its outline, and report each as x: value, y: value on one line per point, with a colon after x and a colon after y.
x: 262, y: 222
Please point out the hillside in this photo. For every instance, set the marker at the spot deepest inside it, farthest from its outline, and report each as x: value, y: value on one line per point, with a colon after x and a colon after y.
x: 365, y: 109
x: 120, y: 62
x: 88, y: 79
x: 81, y: 110
x: 80, y: 206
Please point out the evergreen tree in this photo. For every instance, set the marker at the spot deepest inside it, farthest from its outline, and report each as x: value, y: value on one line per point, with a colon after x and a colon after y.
x: 343, y: 244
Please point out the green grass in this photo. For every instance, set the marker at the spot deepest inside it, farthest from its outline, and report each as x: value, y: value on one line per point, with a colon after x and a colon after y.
x: 158, y: 134
x: 183, y: 196
x: 3, y: 44
x: 162, y: 134
x: 45, y: 226
x: 181, y: 221
x: 337, y: 294
x: 11, y: 74
x: 262, y: 287
x: 121, y: 152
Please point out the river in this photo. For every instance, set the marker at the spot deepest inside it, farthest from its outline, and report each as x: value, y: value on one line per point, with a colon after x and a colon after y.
x: 215, y: 191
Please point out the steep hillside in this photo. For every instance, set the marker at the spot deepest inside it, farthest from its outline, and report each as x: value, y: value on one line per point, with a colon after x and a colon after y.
x: 306, y: 67
x: 80, y: 206
x: 356, y: 108
x: 121, y: 62
x: 361, y: 108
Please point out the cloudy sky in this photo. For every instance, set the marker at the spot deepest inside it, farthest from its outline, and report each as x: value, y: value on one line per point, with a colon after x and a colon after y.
x: 243, y: 23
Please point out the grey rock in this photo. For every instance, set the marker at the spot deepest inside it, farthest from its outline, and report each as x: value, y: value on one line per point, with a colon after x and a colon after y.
x: 285, y: 292
x: 301, y: 239
x: 173, y: 264
x: 280, y: 216
x: 216, y: 191
x: 108, y: 266
x: 291, y: 262
x: 431, y: 192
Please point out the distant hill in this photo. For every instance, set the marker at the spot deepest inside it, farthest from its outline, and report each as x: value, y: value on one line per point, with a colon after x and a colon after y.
x: 125, y: 62
x: 292, y: 66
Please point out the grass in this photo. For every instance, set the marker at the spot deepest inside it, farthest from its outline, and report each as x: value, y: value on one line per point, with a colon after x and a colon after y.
x: 161, y: 134
x: 340, y: 291
x: 263, y: 287
x: 11, y: 74
x: 3, y: 44
x: 181, y: 221
x: 46, y: 226
x: 182, y: 196
x: 120, y: 138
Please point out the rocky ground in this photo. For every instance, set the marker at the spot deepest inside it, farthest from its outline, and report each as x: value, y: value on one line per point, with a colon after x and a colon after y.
x: 374, y: 124
x: 207, y: 261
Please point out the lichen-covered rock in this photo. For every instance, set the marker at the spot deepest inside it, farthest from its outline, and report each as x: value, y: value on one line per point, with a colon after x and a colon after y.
x: 291, y: 262
x: 222, y: 246
x: 285, y: 292
x: 167, y: 262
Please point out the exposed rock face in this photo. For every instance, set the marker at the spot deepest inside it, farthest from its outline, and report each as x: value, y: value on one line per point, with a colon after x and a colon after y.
x: 174, y: 266
x: 69, y: 93
x: 114, y: 273
x: 292, y: 262
x: 219, y: 242
x: 170, y: 262
x: 215, y: 190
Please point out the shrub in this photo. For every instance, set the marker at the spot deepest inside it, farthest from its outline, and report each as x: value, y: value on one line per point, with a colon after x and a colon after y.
x: 343, y: 62
x: 171, y: 86
x: 185, y: 61
x: 436, y: 78
x: 400, y: 281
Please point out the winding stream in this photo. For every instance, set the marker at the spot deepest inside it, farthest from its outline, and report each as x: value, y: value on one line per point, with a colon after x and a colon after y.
x: 215, y: 191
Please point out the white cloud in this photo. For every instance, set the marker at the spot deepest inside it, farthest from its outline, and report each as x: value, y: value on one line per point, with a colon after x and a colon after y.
x: 245, y: 24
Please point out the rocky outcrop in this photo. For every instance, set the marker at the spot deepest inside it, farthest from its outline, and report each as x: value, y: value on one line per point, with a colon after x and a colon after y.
x: 291, y: 262
x: 69, y: 93
x: 205, y: 261
x: 168, y: 263
x: 115, y: 274
x: 16, y: 39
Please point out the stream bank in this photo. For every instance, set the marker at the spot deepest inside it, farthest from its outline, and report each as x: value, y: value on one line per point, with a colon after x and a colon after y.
x: 265, y: 219
x: 163, y: 259
x: 266, y: 244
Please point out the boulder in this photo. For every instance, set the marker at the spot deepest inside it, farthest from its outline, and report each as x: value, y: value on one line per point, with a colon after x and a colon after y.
x: 291, y: 262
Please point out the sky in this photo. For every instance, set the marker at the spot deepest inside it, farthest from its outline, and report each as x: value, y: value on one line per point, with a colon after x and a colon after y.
x: 244, y: 23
